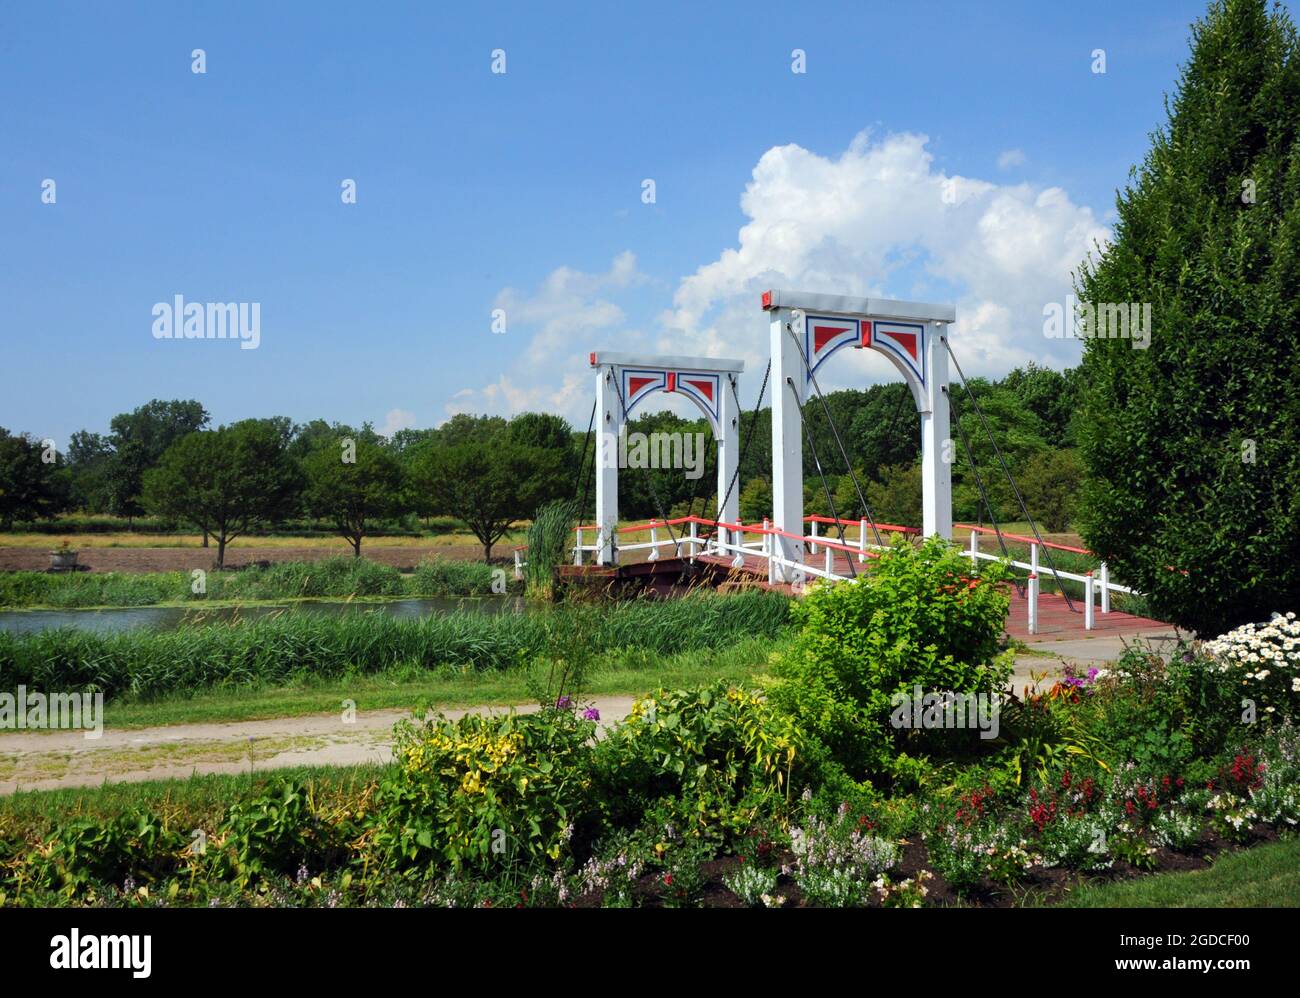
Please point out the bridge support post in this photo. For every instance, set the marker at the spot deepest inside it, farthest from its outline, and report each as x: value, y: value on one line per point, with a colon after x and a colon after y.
x: 610, y: 425
x: 788, y: 381
x: 936, y: 444
x: 728, y: 458
x: 1032, y: 602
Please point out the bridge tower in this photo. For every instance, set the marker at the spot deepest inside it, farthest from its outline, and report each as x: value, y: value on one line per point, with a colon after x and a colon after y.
x: 625, y: 380
x: 808, y: 328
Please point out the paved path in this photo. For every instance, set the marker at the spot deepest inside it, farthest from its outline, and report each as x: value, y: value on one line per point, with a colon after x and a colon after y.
x: 49, y: 760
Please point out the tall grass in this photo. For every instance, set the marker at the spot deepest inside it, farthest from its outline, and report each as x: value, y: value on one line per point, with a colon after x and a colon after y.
x: 331, y: 577
x: 548, y: 542
x: 278, y: 649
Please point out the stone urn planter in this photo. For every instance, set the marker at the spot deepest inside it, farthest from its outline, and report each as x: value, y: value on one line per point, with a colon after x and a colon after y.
x: 63, y: 558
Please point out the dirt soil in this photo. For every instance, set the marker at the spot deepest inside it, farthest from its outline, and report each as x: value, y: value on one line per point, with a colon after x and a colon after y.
x: 144, y: 559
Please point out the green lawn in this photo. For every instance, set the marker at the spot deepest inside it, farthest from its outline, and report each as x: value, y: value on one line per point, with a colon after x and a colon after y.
x: 621, y: 673
x: 1263, y: 877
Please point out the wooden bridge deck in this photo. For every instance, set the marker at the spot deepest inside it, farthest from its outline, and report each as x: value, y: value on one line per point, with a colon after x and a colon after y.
x: 1055, y: 617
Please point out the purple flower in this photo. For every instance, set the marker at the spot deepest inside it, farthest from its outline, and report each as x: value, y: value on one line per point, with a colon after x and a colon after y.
x: 591, y: 714
x: 564, y: 703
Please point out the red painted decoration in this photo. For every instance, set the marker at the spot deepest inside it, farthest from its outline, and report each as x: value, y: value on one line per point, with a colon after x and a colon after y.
x: 634, y: 385
x: 593, y: 358
x: 824, y: 334
x: 705, y: 388
x: 672, y: 382
x: 767, y: 301
x: 906, y: 340
x: 866, y: 334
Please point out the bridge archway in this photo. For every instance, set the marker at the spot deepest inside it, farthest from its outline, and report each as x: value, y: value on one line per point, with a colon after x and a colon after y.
x: 623, y: 381
x: 806, y: 330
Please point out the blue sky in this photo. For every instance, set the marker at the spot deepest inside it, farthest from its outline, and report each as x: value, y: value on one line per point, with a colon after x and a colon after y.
x: 523, y: 190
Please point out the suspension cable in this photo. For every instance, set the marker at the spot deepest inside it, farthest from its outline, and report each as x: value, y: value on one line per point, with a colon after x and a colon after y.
x: 586, y: 442
x: 979, y: 483
x: 744, y: 444
x: 839, y: 442
x: 830, y: 500
x: 654, y: 493
x: 1007, y: 472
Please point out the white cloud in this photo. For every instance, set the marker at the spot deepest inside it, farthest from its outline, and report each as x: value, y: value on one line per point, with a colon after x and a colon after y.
x: 563, y: 319
x: 878, y: 219
x: 1011, y: 157
x: 396, y: 419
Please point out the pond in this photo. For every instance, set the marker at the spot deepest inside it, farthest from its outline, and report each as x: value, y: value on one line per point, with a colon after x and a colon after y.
x: 166, y: 618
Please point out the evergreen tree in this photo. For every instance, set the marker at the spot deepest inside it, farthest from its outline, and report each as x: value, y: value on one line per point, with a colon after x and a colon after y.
x: 1191, y: 444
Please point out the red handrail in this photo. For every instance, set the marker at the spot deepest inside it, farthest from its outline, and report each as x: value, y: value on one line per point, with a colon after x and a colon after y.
x: 1025, y: 540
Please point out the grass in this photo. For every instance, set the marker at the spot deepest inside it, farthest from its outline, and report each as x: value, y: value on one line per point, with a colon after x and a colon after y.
x: 342, y: 577
x: 285, y: 649
x: 198, y: 801
x: 620, y: 673
x: 1263, y: 877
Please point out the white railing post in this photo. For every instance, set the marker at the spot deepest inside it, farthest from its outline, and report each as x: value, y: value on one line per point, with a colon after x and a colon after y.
x: 1105, y: 588
x: 813, y: 546
x: 694, y: 540
x: 1088, y: 601
x: 769, y: 552
x: 862, y: 541
x: 654, y: 542
x: 1033, y: 558
x: 1033, y: 603
x: 577, y: 549
x: 519, y: 566
x: 830, y: 561
x: 974, y: 547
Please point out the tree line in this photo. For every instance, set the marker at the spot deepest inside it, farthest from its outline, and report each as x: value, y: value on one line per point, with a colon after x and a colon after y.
x: 165, y: 458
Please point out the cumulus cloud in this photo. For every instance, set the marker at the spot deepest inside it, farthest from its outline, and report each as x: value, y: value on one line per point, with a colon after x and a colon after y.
x: 1011, y: 157
x: 396, y: 419
x: 560, y: 319
x: 878, y: 219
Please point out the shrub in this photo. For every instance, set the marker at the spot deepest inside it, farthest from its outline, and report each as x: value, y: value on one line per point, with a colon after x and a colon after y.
x: 1202, y: 421
x: 1263, y: 660
x: 921, y: 618
x: 838, y: 862
x: 753, y: 885
x: 485, y: 788
x: 708, y: 746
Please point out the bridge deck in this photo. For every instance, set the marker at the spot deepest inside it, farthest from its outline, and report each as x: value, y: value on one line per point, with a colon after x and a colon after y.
x: 1054, y: 616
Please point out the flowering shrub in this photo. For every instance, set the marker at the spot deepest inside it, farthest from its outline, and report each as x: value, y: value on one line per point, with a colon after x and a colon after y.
x: 708, y: 745
x: 837, y: 862
x: 918, y: 619
x: 754, y: 885
x: 1265, y: 658
x: 1175, y: 829
x: 909, y: 893
x: 484, y: 789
